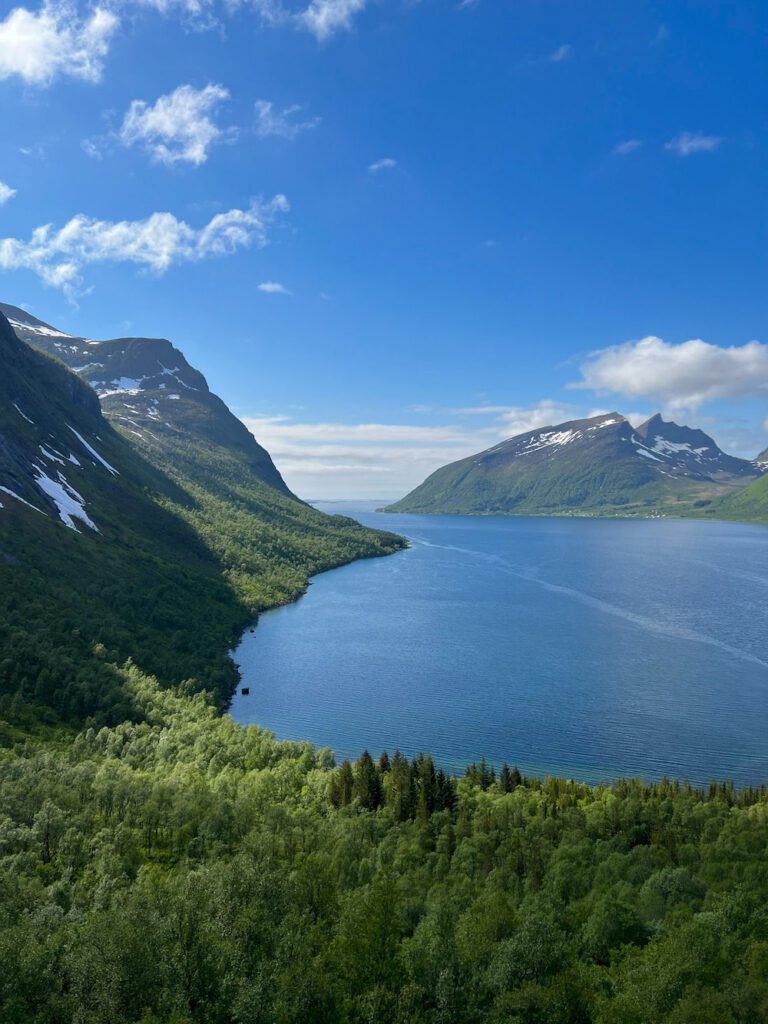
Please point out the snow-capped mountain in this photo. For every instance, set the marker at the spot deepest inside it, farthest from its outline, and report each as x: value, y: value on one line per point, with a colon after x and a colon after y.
x: 692, y: 452
x: 51, y: 433
x: 600, y: 465
x: 148, y: 390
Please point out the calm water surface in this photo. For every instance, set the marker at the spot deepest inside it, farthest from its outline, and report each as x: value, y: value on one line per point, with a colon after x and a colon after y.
x: 580, y: 647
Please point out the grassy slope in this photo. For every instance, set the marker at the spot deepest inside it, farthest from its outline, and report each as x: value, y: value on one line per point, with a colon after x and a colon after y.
x: 749, y: 505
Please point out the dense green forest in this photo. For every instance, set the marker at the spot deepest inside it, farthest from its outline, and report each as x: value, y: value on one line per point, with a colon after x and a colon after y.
x: 185, y: 869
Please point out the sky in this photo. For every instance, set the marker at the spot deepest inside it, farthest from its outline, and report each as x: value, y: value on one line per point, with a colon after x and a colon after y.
x: 392, y: 233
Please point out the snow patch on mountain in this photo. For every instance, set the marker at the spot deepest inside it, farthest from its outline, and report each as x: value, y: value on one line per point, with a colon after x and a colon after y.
x: 174, y: 373
x: 93, y: 452
x: 552, y: 438
x: 69, y: 503
x: 48, y: 332
x: 119, y: 386
x: 18, y: 497
x: 23, y: 416
x: 50, y: 456
x: 669, y: 448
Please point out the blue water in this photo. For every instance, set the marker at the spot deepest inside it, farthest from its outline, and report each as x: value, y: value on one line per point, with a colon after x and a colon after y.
x: 591, y: 648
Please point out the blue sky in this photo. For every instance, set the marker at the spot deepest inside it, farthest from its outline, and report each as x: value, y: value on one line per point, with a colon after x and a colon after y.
x: 392, y: 233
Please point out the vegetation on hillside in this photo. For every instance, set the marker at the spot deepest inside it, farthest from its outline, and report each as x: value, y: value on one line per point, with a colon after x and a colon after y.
x: 748, y: 505
x: 185, y: 869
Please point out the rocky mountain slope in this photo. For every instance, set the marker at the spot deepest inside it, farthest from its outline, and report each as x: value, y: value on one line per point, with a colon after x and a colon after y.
x: 597, y: 466
x: 148, y: 389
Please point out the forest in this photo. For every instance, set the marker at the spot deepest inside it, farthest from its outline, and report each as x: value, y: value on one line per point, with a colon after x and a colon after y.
x: 181, y: 868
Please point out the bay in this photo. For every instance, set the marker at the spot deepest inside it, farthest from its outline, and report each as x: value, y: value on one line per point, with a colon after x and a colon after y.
x: 588, y: 648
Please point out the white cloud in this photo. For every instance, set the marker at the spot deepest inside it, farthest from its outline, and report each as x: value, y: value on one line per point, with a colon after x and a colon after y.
x: 518, y: 419
x: 156, y: 243
x: 560, y: 54
x: 627, y: 146
x: 682, y: 376
x: 323, y: 18
x: 193, y: 8
x: 41, y: 45
x: 6, y: 192
x: 385, y: 164
x: 378, y: 460
x: 179, y: 126
x: 687, y: 143
x: 273, y: 288
x: 385, y: 460
x: 93, y: 148
x: 270, y: 121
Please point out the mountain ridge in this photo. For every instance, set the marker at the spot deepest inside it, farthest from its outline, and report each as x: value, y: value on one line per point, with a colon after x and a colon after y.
x: 147, y: 387
x: 598, y: 465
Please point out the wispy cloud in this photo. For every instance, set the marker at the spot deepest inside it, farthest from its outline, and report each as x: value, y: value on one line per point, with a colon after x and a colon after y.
x: 688, y: 143
x: 39, y: 46
x: 562, y: 53
x: 324, y: 18
x: 662, y: 34
x: 156, y: 243
x: 200, y: 12
x: 627, y: 146
x: 270, y: 121
x: 519, y: 419
x: 385, y: 460
x: 683, y: 376
x: 177, y: 127
x: 6, y: 192
x: 273, y: 288
x: 385, y: 164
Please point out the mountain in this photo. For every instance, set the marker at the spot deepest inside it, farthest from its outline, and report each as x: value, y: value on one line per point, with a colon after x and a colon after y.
x: 148, y: 389
x: 118, y: 543
x: 694, y: 452
x: 596, y: 466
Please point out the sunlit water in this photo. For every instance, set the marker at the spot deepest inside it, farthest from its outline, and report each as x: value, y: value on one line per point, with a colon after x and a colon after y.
x: 591, y: 648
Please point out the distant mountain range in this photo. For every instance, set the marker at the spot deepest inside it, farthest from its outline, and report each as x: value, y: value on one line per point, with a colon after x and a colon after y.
x: 596, y: 466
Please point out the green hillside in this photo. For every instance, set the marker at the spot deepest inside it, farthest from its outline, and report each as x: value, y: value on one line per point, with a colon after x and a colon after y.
x: 748, y: 505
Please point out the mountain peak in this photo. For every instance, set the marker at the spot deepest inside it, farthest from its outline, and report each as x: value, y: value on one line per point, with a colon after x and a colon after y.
x: 598, y: 465
x: 149, y: 391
